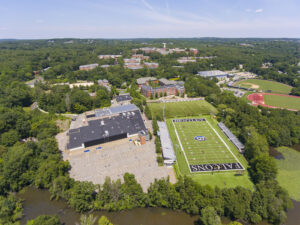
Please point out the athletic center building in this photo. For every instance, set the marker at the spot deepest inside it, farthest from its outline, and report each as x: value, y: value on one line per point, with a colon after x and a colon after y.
x: 106, y: 125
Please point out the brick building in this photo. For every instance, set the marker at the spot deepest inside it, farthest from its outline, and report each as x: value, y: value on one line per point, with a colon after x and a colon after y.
x: 172, y: 89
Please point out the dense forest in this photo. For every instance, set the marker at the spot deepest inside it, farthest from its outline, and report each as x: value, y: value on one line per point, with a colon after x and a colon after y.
x: 29, y: 154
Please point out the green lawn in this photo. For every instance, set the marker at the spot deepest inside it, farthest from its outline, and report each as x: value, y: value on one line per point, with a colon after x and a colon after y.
x: 265, y: 85
x: 220, y: 179
x: 289, y: 171
x: 282, y: 101
x: 182, y: 109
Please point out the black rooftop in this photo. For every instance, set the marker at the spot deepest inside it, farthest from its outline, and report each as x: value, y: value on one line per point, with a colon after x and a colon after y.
x: 130, y: 123
x: 122, y: 98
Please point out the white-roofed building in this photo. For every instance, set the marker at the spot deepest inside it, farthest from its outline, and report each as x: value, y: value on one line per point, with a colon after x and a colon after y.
x: 213, y: 73
x: 88, y: 67
x: 166, y: 144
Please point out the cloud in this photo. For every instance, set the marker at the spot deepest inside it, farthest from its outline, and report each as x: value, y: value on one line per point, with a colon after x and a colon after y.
x: 259, y: 10
x: 147, y: 4
x: 248, y: 10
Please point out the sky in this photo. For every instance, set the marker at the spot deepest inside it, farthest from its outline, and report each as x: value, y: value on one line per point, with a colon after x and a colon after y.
x: 43, y: 19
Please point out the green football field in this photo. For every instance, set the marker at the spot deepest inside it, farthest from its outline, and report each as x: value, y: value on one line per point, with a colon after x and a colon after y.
x: 265, y: 85
x: 287, y: 102
x: 182, y: 109
x: 212, y: 150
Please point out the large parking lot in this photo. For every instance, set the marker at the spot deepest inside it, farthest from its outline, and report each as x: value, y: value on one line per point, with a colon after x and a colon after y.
x: 114, y: 159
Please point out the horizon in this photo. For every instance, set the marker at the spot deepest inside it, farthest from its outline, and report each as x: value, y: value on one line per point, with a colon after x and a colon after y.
x: 139, y: 38
x: 132, y: 19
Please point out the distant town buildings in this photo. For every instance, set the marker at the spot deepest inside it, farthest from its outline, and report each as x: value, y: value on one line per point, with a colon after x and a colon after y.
x: 194, y: 51
x: 164, y: 51
x: 151, y: 65
x: 246, y: 45
x: 134, y: 63
x: 186, y: 59
x: 140, y: 56
x: 88, y: 67
x: 109, y: 56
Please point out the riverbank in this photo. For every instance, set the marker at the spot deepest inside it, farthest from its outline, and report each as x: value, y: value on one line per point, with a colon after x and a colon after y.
x: 37, y: 202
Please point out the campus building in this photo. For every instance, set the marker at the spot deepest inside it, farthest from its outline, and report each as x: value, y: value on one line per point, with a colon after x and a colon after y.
x: 151, y: 65
x: 213, y: 73
x: 186, y: 59
x: 145, y: 81
x: 106, y: 125
x: 88, y: 67
x: 109, y: 56
x: 140, y: 56
x: 105, y: 84
x: 123, y: 99
x: 171, y: 89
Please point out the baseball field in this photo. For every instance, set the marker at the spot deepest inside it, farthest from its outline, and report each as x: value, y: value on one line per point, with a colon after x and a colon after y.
x: 265, y: 86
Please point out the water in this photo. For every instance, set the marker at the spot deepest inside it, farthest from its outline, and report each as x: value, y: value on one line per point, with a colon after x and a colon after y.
x: 36, y: 202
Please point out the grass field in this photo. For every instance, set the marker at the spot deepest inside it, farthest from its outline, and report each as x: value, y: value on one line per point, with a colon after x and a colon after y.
x: 289, y: 171
x: 213, y: 150
x: 210, y: 151
x: 265, y: 85
x: 282, y: 101
x: 182, y: 109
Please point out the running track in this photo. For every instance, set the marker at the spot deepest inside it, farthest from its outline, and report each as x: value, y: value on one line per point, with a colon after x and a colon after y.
x: 258, y: 99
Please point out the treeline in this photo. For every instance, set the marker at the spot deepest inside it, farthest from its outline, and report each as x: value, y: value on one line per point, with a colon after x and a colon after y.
x: 278, y: 127
x: 54, y: 220
x: 18, y: 59
x: 61, y: 99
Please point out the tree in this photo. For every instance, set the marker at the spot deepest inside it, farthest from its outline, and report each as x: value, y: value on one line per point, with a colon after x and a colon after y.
x: 256, y: 144
x: 10, y: 138
x: 263, y: 168
x: 14, y: 165
x: 45, y: 220
x: 87, y: 220
x: 81, y: 196
x: 104, y: 221
x: 59, y: 187
x: 10, y: 209
x: 209, y: 216
x: 154, y: 126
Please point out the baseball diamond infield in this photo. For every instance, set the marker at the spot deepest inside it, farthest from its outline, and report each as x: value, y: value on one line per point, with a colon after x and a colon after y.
x: 275, y: 101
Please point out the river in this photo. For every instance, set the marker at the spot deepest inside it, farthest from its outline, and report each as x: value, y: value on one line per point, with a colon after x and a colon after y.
x: 37, y: 202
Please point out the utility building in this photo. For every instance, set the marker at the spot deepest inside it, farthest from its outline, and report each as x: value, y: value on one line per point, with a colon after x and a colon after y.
x: 108, y: 125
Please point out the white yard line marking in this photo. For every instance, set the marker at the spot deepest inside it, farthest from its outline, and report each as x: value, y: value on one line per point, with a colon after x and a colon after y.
x: 225, y: 144
x: 187, y: 162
